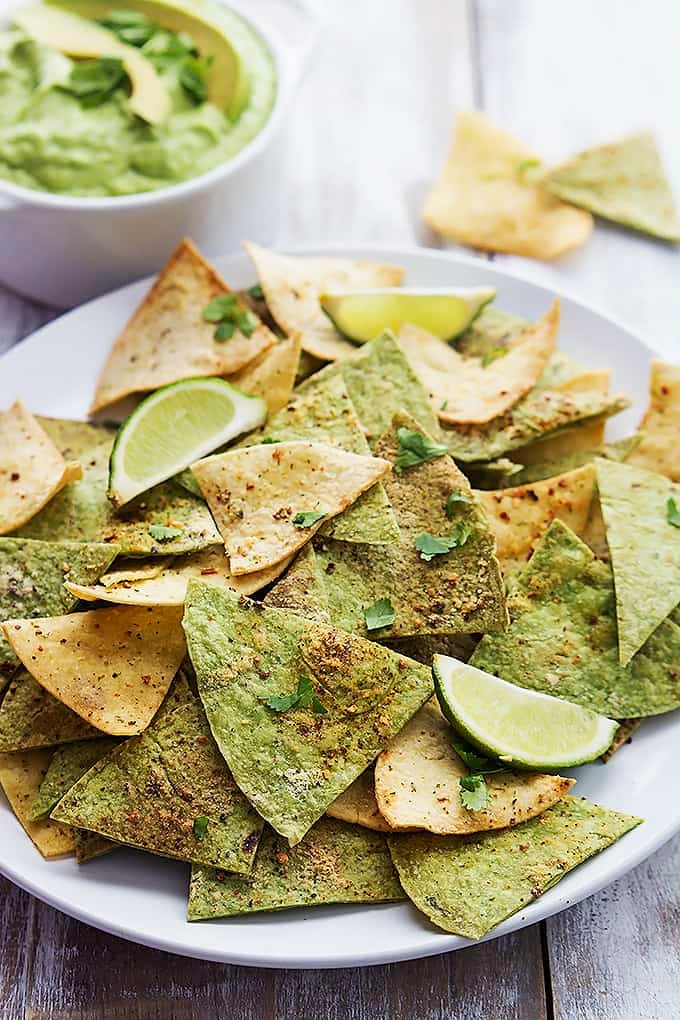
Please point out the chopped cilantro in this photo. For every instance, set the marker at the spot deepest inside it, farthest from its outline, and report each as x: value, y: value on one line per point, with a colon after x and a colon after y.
x: 131, y: 27
x: 444, y: 404
x: 192, y: 77
x: 166, y: 48
x: 455, y: 497
x: 229, y: 316
x: 200, y: 827
x: 474, y: 794
x: 164, y: 533
x: 245, y: 322
x: 380, y: 614
x: 430, y: 546
x: 256, y: 292
x: 414, y: 449
x: 672, y: 513
x: 93, y: 81
x: 474, y: 761
x: 493, y: 355
x: 306, y: 518
x: 220, y: 308
x: 269, y: 440
x: 225, y: 331
x: 304, y: 697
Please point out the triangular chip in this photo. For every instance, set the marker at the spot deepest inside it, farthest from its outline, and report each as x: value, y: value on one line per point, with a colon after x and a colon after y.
x: 471, y: 390
x: 424, y: 647
x: 484, y: 197
x: 417, y: 783
x: 493, y: 328
x: 623, y: 736
x: 334, y: 863
x: 32, y: 576
x: 272, y: 376
x: 660, y: 426
x: 292, y: 762
x: 168, y: 339
x: 622, y: 181
x: 519, y: 516
x: 112, y: 667
x: 168, y: 791
x: 269, y: 500
x: 358, y: 806
x: 20, y: 778
x: 619, y: 451
x: 68, y: 764
x: 32, y: 470
x: 74, y: 439
x: 469, y: 884
x: 301, y: 589
x: 644, y: 547
x: 562, y: 636
x: 82, y: 512
x: 292, y: 284
x: 31, y: 718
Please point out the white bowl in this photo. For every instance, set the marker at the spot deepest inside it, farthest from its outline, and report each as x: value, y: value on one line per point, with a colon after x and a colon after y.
x: 63, y: 250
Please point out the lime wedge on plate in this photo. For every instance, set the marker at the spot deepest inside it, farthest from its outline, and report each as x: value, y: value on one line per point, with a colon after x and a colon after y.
x: 175, y: 426
x: 362, y: 315
x: 521, y: 727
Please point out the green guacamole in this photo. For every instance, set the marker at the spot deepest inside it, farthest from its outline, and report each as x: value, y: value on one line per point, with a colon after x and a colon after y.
x: 53, y: 140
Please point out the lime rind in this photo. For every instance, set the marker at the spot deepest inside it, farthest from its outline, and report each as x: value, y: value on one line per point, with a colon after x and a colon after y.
x: 521, y: 727
x: 174, y: 427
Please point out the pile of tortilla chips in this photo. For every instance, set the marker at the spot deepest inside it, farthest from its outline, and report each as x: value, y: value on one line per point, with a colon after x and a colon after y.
x: 234, y: 670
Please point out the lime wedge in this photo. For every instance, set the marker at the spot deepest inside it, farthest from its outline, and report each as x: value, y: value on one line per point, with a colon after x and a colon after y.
x: 175, y: 426
x: 362, y: 315
x: 521, y: 727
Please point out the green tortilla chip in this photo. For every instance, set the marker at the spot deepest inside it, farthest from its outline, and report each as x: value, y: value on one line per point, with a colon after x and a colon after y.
x: 469, y: 884
x: 31, y: 718
x: 83, y: 513
x: 68, y: 764
x: 301, y: 590
x: 499, y: 472
x: 424, y: 647
x: 541, y: 413
x: 491, y: 329
x: 644, y: 548
x: 623, y: 736
x: 168, y: 791
x: 75, y: 439
x: 624, y: 182
x: 32, y: 576
x: 562, y: 636
x: 334, y: 863
x: 88, y: 845
x: 293, y: 761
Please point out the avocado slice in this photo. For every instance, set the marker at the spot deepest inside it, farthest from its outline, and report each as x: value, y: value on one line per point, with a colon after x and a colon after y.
x: 228, y: 78
x: 78, y: 37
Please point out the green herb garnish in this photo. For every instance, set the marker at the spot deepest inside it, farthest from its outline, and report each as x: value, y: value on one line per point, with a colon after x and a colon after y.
x: 269, y: 440
x: 672, y: 513
x: 453, y: 499
x: 493, y: 355
x: 200, y: 827
x: 220, y: 308
x: 414, y: 449
x: 256, y: 292
x: 304, y: 697
x: 306, y: 518
x: 229, y: 316
x: 93, y: 81
x: 166, y: 48
x: 225, y: 331
x: 193, y: 77
x: 164, y: 533
x: 474, y: 794
x: 380, y: 614
x: 131, y: 27
x: 430, y: 546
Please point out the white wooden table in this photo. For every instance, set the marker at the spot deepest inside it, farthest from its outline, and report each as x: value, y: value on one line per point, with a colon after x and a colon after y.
x: 370, y: 127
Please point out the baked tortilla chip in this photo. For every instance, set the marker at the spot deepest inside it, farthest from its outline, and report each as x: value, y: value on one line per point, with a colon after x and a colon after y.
x: 619, y: 451
x: 168, y: 791
x: 301, y: 590
x: 493, y: 328
x: 82, y: 512
x: 31, y: 718
x: 292, y: 284
x: 32, y: 576
x: 89, y: 845
x: 644, y: 548
x: 20, y: 778
x: 272, y: 376
x: 660, y: 426
x: 519, y: 516
x: 334, y: 863
x: 269, y: 500
x: 68, y: 764
x: 622, y: 181
x: 562, y: 637
x: 32, y: 470
x: 74, y: 439
x: 113, y: 667
x: 484, y: 199
x: 358, y: 806
x: 469, y: 884
x: 167, y: 338
x: 424, y: 647
x: 470, y: 390
x: 459, y: 591
x: 417, y: 783
x: 623, y: 736
x: 292, y: 763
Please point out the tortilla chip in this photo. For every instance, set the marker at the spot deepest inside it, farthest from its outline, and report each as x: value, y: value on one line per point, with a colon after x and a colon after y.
x: 334, y: 863
x: 469, y: 391
x: 167, y: 338
x: 112, y: 667
x: 167, y: 587
x: 619, y: 451
x: 32, y: 470
x: 307, y: 366
x: 493, y: 328
x: 541, y: 413
x: 624, y: 182
x: 31, y: 718
x: 357, y: 805
x: 291, y: 764
x: 83, y: 513
x: 644, y: 549
x: 68, y: 764
x: 660, y: 426
x: 301, y: 590
x: 74, y: 439
x: 255, y: 495
x: 483, y: 198
x: 562, y: 637
x: 469, y: 884
x: 292, y: 284
x: 417, y: 783
x: 519, y: 516
x: 623, y: 736
x: 272, y: 376
x: 89, y: 845
x: 20, y: 778
x: 32, y: 576
x: 152, y: 790
x: 424, y: 647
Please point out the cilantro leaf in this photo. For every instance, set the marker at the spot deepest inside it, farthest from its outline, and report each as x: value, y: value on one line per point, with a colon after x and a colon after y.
x: 436, y: 545
x: 93, y: 81
x: 493, y: 355
x: 166, y: 48
x: 304, y: 697
x: 307, y: 518
x: 220, y: 308
x: 474, y: 761
x: 200, y: 827
x: 163, y: 533
x: 245, y: 322
x: 269, y: 441
x: 414, y: 449
x: 225, y: 331
x: 192, y: 78
x: 379, y: 614
x: 131, y: 27
x: 455, y: 497
x: 673, y: 513
x: 282, y: 702
x: 474, y: 794
x: 256, y: 292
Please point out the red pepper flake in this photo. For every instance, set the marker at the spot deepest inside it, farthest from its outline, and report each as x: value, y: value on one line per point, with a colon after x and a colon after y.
x: 209, y: 570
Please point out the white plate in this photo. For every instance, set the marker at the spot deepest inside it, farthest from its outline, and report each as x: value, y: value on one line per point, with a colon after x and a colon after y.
x: 143, y: 898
